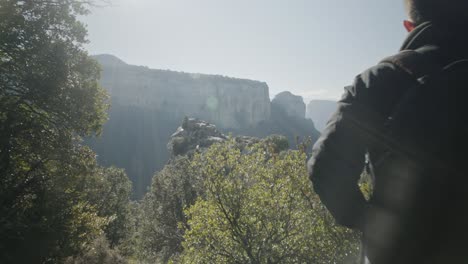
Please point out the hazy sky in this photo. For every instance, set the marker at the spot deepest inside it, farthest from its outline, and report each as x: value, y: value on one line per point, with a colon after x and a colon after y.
x: 312, y: 48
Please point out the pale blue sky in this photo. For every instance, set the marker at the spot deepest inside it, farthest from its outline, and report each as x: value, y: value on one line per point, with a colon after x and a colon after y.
x: 312, y: 48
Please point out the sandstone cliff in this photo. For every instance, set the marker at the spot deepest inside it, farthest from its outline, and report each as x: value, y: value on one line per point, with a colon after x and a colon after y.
x: 227, y: 102
x: 293, y: 105
x: 148, y: 106
x: 287, y: 119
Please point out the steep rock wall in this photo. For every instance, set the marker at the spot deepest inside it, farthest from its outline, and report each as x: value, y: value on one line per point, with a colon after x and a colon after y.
x: 293, y: 105
x: 227, y: 102
x: 148, y: 106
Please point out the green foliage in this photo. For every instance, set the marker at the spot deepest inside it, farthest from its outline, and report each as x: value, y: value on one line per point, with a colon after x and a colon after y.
x: 172, y: 190
x: 259, y: 207
x: 279, y: 143
x: 176, y: 187
x: 109, y: 190
x: 242, y: 204
x: 54, y: 199
x: 99, y: 252
x: 366, y: 185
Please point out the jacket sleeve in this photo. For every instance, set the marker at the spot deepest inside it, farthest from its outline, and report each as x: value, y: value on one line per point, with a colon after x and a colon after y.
x: 338, y: 157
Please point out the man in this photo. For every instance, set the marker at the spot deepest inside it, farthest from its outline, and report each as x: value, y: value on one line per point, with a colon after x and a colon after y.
x: 406, y: 119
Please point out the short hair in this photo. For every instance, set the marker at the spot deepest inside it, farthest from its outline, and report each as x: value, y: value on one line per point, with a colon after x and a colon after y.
x: 438, y: 11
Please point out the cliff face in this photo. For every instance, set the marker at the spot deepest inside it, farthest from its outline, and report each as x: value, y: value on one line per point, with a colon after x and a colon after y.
x: 148, y: 106
x: 227, y: 102
x: 320, y: 112
x: 135, y: 139
x: 287, y: 119
x: 293, y: 105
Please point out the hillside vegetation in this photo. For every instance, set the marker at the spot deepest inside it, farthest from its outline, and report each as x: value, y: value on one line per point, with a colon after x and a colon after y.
x: 219, y: 199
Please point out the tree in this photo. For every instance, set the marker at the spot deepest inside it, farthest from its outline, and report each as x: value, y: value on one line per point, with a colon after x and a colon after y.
x: 161, y: 227
x: 49, y: 99
x: 259, y: 207
x: 109, y: 190
x: 175, y: 188
x: 99, y: 252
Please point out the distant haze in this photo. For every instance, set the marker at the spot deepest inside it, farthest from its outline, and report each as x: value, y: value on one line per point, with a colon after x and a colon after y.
x: 320, y: 112
x: 309, y: 47
x: 149, y: 105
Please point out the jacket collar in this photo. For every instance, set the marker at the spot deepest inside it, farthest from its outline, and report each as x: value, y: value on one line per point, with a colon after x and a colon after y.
x: 429, y: 34
x: 418, y: 37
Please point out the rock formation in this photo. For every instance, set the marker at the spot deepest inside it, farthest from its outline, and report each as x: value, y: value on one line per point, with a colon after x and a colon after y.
x: 227, y: 102
x: 287, y: 119
x: 148, y: 106
x: 198, y: 135
x: 293, y: 105
x: 192, y: 135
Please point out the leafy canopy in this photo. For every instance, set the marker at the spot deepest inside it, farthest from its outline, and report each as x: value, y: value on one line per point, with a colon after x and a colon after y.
x: 259, y: 207
x: 50, y: 185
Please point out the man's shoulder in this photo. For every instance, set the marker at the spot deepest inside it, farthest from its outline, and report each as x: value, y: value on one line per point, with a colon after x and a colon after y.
x: 406, y: 63
x: 415, y: 63
x: 385, y: 74
x: 379, y: 86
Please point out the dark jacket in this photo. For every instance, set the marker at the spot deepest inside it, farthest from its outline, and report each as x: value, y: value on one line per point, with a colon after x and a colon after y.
x: 406, y: 220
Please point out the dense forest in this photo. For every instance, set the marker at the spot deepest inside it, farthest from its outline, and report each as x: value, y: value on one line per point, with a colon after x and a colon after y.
x: 219, y: 199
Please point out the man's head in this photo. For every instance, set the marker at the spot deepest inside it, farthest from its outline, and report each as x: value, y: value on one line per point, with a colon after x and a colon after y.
x: 448, y: 12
